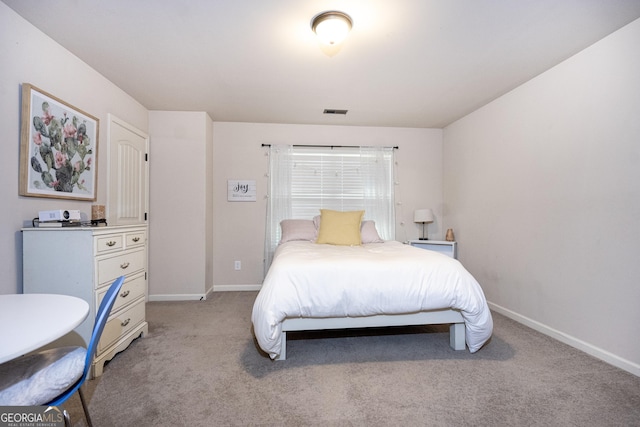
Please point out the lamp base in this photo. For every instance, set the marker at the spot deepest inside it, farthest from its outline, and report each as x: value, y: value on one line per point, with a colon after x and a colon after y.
x: 423, y: 238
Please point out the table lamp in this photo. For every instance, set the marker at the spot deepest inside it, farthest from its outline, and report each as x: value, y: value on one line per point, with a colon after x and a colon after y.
x: 423, y: 216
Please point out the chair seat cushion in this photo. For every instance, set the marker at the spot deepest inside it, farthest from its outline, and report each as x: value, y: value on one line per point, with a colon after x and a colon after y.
x: 39, y: 378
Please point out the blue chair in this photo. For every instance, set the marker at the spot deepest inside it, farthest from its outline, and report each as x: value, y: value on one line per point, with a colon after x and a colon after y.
x: 50, y: 377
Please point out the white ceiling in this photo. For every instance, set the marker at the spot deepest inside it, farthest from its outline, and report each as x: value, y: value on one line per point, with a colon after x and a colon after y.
x: 410, y: 63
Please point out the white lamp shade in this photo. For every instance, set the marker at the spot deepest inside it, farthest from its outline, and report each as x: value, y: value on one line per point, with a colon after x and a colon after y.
x: 331, y: 27
x: 423, y: 215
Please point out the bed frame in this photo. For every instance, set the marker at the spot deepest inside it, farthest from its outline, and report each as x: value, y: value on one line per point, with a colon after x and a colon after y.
x: 433, y: 317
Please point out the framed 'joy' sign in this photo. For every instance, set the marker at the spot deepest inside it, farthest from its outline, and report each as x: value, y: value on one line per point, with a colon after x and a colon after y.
x: 241, y: 191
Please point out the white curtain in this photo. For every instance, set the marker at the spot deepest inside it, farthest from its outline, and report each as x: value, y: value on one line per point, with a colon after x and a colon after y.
x: 279, y: 197
x: 303, y: 180
x: 376, y: 169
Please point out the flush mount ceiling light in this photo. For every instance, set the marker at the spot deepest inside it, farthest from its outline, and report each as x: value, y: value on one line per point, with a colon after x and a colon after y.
x: 331, y: 27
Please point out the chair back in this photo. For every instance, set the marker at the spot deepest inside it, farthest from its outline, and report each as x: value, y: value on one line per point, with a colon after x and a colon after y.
x: 101, y: 320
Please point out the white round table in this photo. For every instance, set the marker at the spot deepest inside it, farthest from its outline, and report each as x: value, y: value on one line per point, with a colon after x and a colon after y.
x: 30, y: 321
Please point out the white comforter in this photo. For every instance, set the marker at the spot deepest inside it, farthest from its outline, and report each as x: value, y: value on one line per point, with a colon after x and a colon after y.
x: 313, y: 280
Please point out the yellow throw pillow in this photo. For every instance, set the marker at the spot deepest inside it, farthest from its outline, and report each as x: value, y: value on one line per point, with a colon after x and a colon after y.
x: 340, y: 228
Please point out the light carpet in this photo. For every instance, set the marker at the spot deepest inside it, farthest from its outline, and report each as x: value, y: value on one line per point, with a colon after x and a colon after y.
x: 199, y: 366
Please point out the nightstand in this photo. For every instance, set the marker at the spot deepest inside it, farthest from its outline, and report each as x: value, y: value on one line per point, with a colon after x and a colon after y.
x: 447, y: 248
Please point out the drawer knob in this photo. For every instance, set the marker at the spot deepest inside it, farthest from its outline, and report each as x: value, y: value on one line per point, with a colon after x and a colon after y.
x: 125, y: 294
x: 125, y: 323
x: 136, y: 239
x: 124, y: 265
x: 111, y: 243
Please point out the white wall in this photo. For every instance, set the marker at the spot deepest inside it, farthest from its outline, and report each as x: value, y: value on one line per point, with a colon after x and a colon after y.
x: 180, y: 221
x: 29, y: 56
x: 542, y: 188
x: 239, y: 226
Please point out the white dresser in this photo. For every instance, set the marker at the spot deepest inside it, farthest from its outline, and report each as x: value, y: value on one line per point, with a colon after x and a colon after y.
x: 83, y: 262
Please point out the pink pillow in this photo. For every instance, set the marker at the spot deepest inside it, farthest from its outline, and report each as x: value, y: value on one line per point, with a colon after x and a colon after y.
x: 297, y: 229
x: 368, y: 232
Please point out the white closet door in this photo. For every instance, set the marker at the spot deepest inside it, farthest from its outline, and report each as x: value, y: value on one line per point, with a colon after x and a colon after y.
x: 128, y: 175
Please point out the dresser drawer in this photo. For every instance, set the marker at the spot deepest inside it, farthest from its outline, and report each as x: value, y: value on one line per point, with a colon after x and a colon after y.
x: 132, y: 289
x: 135, y: 239
x: 120, y: 324
x: 109, y: 243
x: 110, y: 268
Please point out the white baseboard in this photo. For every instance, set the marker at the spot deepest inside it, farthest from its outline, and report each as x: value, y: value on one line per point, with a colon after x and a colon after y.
x: 198, y: 297
x: 590, y: 349
x: 235, y: 288
x: 177, y: 297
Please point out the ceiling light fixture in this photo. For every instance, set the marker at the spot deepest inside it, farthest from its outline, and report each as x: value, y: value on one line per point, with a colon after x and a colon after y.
x: 331, y: 27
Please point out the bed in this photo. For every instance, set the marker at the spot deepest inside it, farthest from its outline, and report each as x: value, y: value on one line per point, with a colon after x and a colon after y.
x: 313, y: 286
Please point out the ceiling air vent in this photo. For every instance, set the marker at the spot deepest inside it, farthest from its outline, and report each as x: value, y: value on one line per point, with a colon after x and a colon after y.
x: 334, y: 111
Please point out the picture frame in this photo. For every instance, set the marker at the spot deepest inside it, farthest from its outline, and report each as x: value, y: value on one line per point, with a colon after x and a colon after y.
x: 241, y: 190
x: 58, y: 148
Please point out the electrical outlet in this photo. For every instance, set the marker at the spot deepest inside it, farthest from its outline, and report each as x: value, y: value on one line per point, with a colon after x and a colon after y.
x: 237, y: 265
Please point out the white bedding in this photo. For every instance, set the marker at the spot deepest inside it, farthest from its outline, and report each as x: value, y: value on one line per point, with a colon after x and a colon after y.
x: 313, y: 280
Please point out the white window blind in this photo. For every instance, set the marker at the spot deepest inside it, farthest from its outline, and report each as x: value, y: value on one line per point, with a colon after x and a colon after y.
x: 326, y: 179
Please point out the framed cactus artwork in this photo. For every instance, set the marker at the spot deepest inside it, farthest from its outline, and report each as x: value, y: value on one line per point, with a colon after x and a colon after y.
x: 58, y: 148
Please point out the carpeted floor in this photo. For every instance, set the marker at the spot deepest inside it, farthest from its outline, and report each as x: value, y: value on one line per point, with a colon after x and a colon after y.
x: 199, y: 366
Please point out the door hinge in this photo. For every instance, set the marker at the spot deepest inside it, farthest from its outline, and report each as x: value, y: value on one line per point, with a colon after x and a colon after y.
x: 146, y: 157
x: 145, y: 216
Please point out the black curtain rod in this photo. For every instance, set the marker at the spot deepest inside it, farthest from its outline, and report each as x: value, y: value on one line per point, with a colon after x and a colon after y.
x: 330, y: 146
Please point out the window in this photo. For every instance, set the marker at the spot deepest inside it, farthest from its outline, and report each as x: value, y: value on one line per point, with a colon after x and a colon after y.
x: 304, y: 180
